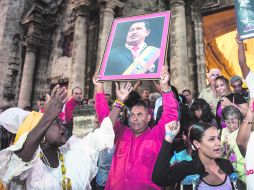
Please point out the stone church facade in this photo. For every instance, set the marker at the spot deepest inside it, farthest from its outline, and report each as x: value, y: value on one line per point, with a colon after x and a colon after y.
x: 45, y: 42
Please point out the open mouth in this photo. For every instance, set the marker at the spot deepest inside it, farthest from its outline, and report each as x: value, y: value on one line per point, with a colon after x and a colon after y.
x: 217, y: 150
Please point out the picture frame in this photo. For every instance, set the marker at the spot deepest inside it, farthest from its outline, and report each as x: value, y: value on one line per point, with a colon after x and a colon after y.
x: 136, y: 48
x: 244, y: 10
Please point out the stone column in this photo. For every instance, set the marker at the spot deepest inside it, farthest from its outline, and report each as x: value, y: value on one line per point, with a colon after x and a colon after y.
x: 107, y: 14
x: 25, y: 92
x: 200, y: 49
x: 79, y: 51
x: 178, y: 46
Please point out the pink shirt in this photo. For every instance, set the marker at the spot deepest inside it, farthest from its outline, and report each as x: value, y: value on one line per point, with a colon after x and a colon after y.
x: 69, y: 107
x: 134, y: 157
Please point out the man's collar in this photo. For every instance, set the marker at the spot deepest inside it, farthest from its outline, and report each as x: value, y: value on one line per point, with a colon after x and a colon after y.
x: 140, y: 46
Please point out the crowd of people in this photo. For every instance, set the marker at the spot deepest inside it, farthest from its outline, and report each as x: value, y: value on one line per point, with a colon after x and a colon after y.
x: 144, y: 140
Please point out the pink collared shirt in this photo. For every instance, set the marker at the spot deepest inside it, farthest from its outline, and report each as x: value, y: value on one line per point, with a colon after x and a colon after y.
x: 134, y: 157
x: 69, y: 108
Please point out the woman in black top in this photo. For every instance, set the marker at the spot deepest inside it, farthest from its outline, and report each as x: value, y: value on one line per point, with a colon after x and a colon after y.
x: 228, y: 98
x: 207, y: 163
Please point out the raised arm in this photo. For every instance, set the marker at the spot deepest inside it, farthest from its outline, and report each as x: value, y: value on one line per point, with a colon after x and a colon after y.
x: 241, y: 57
x: 121, y: 94
x: 101, y: 104
x: 243, y: 107
x: 245, y: 129
x: 34, y: 138
x: 164, y: 174
x: 169, y: 103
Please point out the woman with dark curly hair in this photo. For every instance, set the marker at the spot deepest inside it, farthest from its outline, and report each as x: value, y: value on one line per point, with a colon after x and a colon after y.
x: 201, y: 112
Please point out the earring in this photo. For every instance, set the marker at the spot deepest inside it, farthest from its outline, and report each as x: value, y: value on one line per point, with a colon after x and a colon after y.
x: 193, y: 147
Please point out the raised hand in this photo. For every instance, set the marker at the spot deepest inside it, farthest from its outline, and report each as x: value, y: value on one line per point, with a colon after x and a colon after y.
x: 58, y: 98
x: 164, y: 79
x: 123, y: 91
x: 225, y: 102
x: 172, y: 129
x: 98, y: 85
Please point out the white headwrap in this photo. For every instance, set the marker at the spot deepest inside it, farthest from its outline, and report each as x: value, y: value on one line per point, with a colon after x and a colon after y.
x: 12, y: 118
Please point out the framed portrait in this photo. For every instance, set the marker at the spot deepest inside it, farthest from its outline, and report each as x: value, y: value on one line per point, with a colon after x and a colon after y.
x: 245, y: 18
x: 136, y: 48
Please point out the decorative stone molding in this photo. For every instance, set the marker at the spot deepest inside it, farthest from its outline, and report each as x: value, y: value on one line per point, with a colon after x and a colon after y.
x: 109, y: 6
x: 174, y: 2
x: 209, y: 6
x: 80, y: 7
x: 40, y: 24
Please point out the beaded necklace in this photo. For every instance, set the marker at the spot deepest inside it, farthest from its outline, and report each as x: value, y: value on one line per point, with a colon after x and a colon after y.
x: 66, y: 182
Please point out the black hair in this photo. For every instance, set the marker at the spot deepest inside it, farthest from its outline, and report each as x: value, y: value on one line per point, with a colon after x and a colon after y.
x: 147, y: 24
x: 175, y: 91
x: 197, y: 131
x: 42, y: 99
x: 141, y: 103
x: 182, y: 99
x: 186, y: 90
x: 108, y: 95
x: 72, y: 91
x: 207, y: 115
x: 133, y: 98
x: 146, y: 89
x: 186, y: 127
x: 28, y: 108
x: 231, y: 110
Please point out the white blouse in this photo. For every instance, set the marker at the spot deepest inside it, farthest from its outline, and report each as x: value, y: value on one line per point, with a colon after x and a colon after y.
x: 80, y: 160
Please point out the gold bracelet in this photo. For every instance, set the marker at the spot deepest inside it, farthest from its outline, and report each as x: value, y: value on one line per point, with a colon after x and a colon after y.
x: 248, y: 122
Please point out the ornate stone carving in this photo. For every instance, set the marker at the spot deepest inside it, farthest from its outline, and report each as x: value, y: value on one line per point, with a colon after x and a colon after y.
x: 80, y: 7
x: 109, y: 5
x: 40, y: 24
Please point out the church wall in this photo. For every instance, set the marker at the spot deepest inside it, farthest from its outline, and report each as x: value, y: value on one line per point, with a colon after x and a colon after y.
x: 91, y: 56
x: 11, y: 35
x: 142, y: 6
x: 51, y: 66
x: 54, y: 63
x: 190, y: 47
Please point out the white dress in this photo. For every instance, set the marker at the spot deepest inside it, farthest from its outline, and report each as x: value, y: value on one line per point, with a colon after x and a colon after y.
x: 80, y: 160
